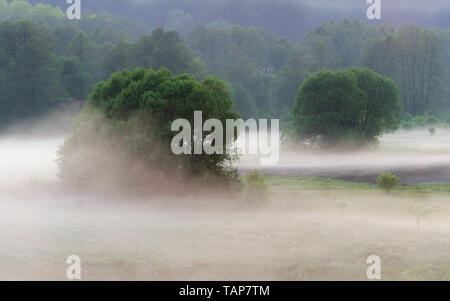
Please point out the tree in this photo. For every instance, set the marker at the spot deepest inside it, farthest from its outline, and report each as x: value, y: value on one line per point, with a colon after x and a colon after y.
x: 82, y: 48
x: 63, y: 36
x: 415, y: 60
x: 118, y: 58
x: 444, y: 36
x: 19, y: 10
x: 48, y: 13
x: 290, y: 78
x: 250, y: 60
x: 165, y: 49
x: 76, y: 82
x: 350, y: 106
x: 29, y: 71
x: 337, y: 45
x: 84, y: 51
x: 136, y: 111
x: 4, y: 7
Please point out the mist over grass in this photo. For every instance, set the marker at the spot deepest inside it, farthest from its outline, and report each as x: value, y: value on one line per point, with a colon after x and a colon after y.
x: 308, y: 229
x: 422, y: 157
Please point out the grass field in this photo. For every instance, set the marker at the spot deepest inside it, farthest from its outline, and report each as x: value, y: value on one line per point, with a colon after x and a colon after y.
x: 307, y: 229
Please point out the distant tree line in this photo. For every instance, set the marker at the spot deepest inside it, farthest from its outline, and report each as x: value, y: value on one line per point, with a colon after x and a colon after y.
x: 290, y: 18
x: 46, y: 60
x: 416, y: 60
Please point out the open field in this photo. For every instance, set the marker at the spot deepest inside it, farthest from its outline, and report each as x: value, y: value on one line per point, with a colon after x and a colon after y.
x: 308, y: 228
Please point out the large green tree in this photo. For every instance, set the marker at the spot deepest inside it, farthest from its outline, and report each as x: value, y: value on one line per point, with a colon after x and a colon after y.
x: 132, y: 113
x: 351, y: 106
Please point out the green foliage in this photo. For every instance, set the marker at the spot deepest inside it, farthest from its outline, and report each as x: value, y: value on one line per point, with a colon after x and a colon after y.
x: 249, y: 59
x: 263, y: 70
x: 337, y: 45
x: 42, y: 64
x: 422, y: 122
x: 165, y: 49
x: 4, y: 10
x: 406, y: 125
x: 82, y: 48
x: 118, y: 58
x: 290, y: 78
x: 388, y: 181
x: 133, y: 112
x: 415, y: 60
x: 430, y: 120
x: 432, y: 131
x: 19, y: 10
x: 28, y: 72
x: 354, y: 106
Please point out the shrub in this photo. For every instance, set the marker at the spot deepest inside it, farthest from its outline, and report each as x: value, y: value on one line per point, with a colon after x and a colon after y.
x: 432, y: 131
x: 388, y: 181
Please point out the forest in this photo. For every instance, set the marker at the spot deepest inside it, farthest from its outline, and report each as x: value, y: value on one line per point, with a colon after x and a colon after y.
x: 47, y: 60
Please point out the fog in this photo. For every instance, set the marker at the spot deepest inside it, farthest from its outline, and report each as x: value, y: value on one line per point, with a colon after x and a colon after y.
x: 25, y: 160
x: 417, y: 4
x: 430, y: 5
x: 305, y: 14
x: 413, y: 154
x: 301, y: 235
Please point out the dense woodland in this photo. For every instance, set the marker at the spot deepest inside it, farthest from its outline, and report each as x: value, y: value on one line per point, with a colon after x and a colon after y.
x: 47, y: 60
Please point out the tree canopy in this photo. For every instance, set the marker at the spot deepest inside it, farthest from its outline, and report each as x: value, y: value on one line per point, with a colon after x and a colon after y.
x: 350, y: 107
x: 414, y: 59
x: 262, y: 69
x: 132, y: 113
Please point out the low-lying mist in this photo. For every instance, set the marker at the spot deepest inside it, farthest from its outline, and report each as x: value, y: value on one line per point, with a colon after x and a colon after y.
x: 297, y: 234
x: 416, y: 154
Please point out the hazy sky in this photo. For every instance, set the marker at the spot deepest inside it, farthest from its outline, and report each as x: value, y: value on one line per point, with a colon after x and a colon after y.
x: 429, y: 5
x: 415, y: 4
